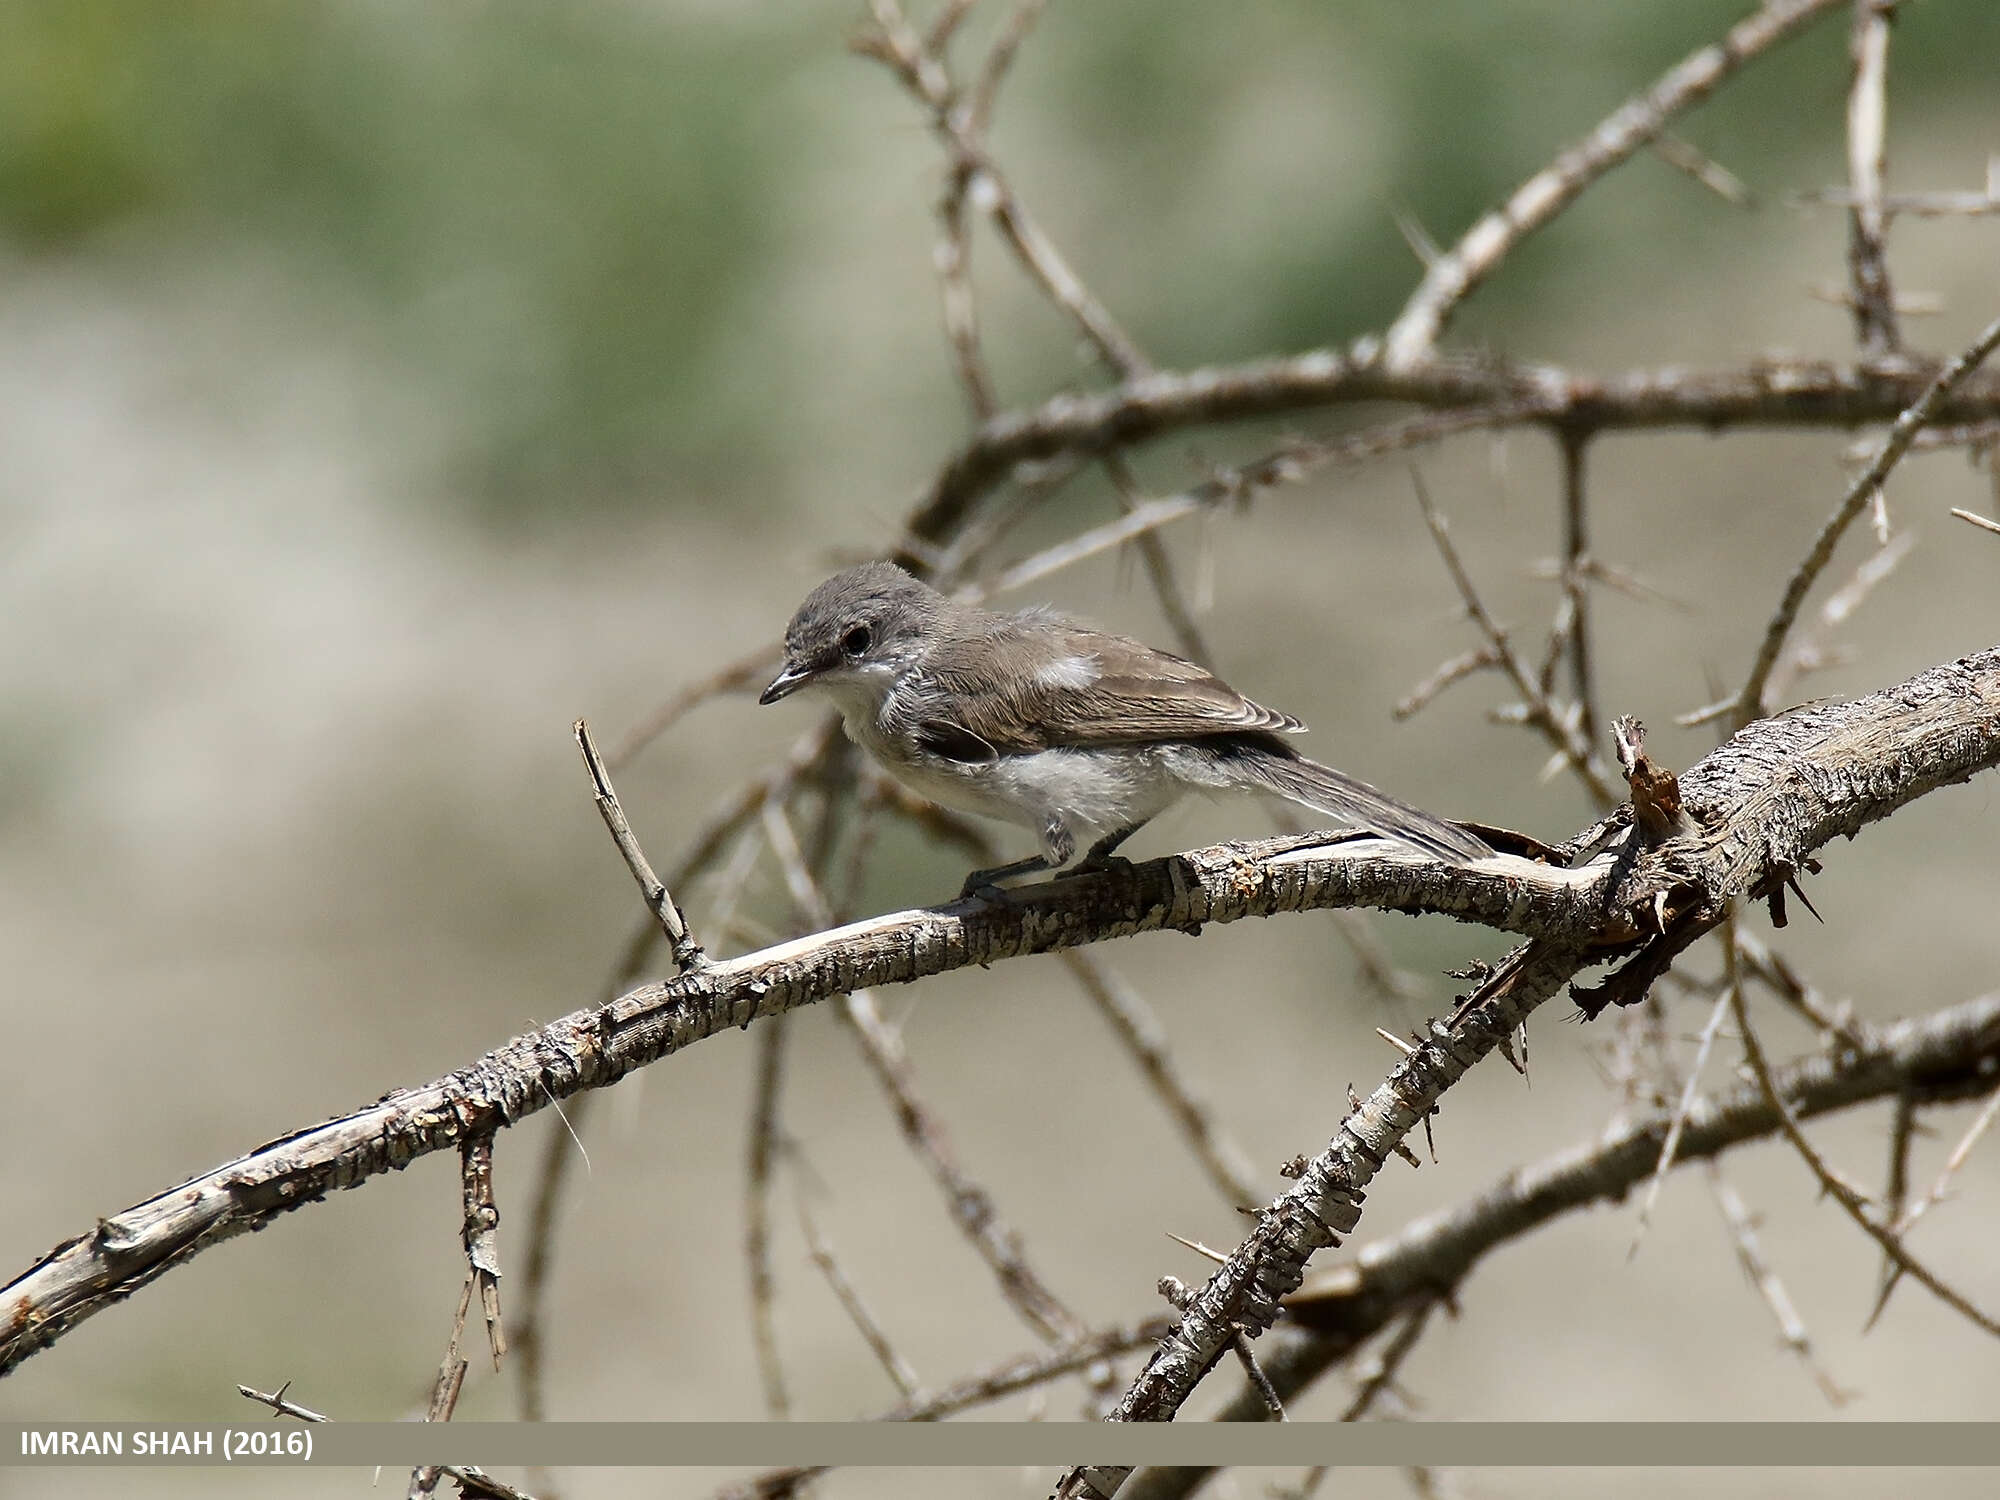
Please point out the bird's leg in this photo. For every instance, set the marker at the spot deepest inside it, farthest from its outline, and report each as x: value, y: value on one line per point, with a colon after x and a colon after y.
x: 1058, y: 844
x: 1100, y: 856
x: 981, y: 882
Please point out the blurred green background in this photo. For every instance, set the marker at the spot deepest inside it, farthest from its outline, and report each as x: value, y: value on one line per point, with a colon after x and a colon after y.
x: 383, y: 386
x: 601, y: 244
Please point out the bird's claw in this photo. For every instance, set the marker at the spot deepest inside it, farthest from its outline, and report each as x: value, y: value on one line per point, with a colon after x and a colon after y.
x: 1095, y: 865
x: 987, y: 891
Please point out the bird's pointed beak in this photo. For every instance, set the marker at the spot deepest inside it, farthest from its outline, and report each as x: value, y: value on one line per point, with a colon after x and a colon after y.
x: 787, y: 681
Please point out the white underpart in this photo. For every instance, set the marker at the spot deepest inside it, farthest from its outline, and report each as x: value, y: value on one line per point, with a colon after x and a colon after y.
x: 1089, y: 793
x: 1068, y: 672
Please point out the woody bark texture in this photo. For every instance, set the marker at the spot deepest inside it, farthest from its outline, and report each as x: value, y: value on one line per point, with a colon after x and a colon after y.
x: 1780, y: 789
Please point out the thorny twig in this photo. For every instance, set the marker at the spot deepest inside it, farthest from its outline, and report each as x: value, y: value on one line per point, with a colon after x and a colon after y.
x: 1750, y: 702
x: 1907, y: 1219
x: 472, y: 1481
x: 1556, y: 726
x: 1843, y: 1192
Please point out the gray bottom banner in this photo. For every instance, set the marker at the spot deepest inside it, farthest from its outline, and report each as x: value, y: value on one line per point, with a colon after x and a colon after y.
x: 879, y: 1445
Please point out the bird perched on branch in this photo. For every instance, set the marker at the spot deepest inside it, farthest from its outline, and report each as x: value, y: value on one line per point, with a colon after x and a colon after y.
x: 1070, y: 732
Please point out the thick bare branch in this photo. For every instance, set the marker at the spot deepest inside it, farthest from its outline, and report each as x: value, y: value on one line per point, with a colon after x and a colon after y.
x: 1243, y: 1296
x: 1768, y: 797
x: 1479, y: 392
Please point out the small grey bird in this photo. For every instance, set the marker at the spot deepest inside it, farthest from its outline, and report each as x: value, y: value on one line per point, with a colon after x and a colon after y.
x: 1036, y: 720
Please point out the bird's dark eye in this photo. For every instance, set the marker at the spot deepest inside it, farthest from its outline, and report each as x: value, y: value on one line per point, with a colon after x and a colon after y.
x: 857, y: 641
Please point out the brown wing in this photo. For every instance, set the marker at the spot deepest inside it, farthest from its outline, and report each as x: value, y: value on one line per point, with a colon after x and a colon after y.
x: 1088, y: 688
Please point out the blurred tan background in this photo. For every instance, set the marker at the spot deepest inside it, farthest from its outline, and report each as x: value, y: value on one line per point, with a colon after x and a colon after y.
x: 383, y: 387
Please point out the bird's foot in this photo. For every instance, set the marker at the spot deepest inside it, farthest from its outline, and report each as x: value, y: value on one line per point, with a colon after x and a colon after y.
x: 1095, y: 864
x: 985, y: 884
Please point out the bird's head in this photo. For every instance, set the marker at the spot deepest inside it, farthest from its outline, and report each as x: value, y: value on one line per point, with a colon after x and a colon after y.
x: 856, y: 633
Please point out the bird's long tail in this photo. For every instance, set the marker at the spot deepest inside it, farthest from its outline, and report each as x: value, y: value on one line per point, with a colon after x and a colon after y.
x: 1326, y: 790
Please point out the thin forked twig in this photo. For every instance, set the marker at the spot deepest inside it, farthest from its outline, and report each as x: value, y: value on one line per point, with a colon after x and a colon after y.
x: 1460, y: 667
x: 1769, y: 968
x: 896, y: 43
x: 1554, y: 725
x: 1576, y: 582
x: 974, y: 176
x: 1274, y: 1404
x: 1842, y: 1191
x: 1145, y: 1039
x: 1159, y: 564
x: 757, y: 1215
x: 472, y: 1481
x: 1535, y: 202
x: 1896, y: 1192
x: 1380, y: 1373
x: 445, y: 1390
x: 820, y: 1249
x: 1749, y: 703
x: 1131, y: 1019
x: 1791, y: 1327
x: 481, y: 1233
x: 1908, y: 1218
x: 659, y: 900
x: 1116, y: 349
x: 1008, y: 1378
x: 972, y: 1208
x: 566, y: 1145
x: 1867, y: 144
x: 1671, y: 1145
x: 999, y: 58
x: 1027, y: 1371
x: 735, y: 677
x: 1711, y: 174
x: 1813, y: 650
